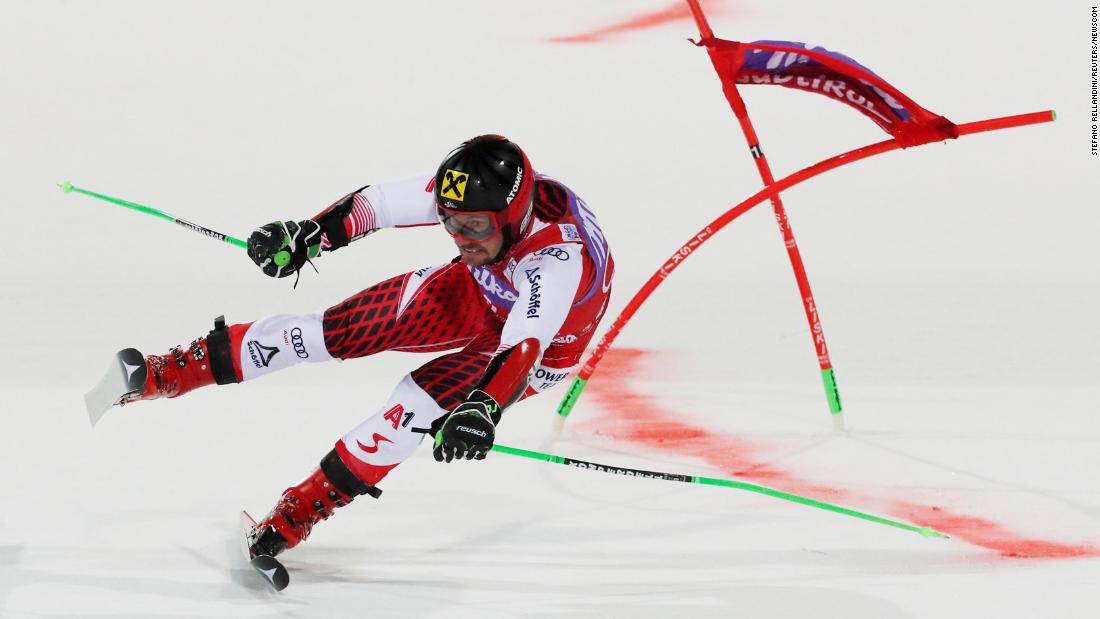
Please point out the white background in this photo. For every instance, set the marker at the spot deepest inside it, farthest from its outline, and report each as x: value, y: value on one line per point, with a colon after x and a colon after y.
x: 957, y: 285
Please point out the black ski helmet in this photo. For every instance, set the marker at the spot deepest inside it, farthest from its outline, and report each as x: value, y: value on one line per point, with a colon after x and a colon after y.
x: 488, y: 174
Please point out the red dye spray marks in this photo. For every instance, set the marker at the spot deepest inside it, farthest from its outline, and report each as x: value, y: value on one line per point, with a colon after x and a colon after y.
x: 639, y: 418
x: 988, y: 534
x: 678, y: 10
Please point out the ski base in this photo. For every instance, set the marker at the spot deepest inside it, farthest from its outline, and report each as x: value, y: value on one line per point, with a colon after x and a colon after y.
x: 270, y: 568
x: 125, y: 378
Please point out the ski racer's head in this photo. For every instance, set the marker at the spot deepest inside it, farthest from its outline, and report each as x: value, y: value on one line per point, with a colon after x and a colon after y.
x: 483, y: 195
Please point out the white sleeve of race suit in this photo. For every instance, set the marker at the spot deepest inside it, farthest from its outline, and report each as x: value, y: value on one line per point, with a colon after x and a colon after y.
x: 547, y: 282
x: 404, y: 202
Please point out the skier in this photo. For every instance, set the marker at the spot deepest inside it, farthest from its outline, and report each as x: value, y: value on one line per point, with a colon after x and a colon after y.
x: 517, y: 306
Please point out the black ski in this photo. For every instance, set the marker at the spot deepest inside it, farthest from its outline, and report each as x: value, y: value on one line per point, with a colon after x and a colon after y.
x: 270, y: 568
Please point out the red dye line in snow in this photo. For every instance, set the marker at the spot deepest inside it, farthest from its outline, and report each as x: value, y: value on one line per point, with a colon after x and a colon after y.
x: 679, y: 10
x: 638, y: 418
x: 989, y: 534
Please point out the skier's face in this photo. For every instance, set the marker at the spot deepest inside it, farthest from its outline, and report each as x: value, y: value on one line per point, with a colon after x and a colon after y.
x: 476, y: 235
x: 478, y: 253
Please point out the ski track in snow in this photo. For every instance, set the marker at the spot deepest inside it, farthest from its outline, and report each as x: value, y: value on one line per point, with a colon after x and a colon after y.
x: 639, y: 418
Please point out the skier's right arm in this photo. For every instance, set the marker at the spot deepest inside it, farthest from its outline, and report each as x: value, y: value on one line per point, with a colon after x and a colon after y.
x: 282, y: 248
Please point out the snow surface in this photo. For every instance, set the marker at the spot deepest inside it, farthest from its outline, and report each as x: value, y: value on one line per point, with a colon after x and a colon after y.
x: 957, y: 284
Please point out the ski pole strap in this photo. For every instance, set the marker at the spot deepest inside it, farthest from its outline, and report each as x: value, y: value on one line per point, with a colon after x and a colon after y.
x: 710, y: 481
x: 68, y: 187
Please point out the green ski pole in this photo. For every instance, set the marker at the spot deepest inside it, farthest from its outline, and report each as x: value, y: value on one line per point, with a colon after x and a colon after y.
x: 710, y: 481
x: 68, y: 187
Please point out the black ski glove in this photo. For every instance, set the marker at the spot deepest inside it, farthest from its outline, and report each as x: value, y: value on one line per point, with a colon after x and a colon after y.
x: 469, y: 430
x: 281, y: 248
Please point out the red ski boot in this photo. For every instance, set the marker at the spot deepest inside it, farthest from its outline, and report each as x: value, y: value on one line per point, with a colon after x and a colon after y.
x: 206, y: 361
x: 302, y: 506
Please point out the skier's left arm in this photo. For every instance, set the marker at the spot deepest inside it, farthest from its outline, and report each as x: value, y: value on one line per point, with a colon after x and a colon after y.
x: 548, y: 283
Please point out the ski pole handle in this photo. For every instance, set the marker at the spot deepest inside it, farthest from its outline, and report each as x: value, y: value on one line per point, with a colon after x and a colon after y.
x: 68, y: 187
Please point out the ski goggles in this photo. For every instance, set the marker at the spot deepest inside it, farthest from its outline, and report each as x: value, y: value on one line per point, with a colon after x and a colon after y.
x: 476, y: 226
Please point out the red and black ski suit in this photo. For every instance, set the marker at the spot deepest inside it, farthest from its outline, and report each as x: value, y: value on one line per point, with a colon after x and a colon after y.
x: 552, y: 285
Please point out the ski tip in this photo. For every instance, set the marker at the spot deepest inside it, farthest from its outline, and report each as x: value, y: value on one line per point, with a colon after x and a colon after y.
x: 132, y: 364
x: 67, y: 187
x: 125, y: 377
x: 272, y: 570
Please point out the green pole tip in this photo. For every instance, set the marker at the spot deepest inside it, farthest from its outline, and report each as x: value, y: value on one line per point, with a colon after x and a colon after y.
x: 930, y: 532
x: 571, y: 396
x: 67, y: 187
x: 1053, y: 115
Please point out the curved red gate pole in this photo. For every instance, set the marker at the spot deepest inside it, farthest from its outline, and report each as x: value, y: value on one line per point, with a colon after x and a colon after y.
x: 677, y: 258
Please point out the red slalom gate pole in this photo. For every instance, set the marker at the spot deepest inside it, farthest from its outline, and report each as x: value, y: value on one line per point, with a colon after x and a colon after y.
x: 700, y: 19
x: 677, y: 258
x: 813, y: 318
